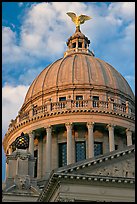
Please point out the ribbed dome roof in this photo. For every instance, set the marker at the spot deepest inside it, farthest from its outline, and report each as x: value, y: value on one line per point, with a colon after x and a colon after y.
x: 78, y: 69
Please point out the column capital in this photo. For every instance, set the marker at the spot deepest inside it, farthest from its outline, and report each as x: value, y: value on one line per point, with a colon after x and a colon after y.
x: 90, y: 125
x: 32, y: 132
x: 128, y: 130
x: 69, y: 125
x: 110, y: 126
x: 49, y: 127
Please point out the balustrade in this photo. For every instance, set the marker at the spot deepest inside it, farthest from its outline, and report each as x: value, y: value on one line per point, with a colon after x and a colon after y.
x: 58, y: 105
x: 24, y: 115
x: 40, y: 109
x: 119, y: 107
x: 79, y: 103
x: 91, y: 104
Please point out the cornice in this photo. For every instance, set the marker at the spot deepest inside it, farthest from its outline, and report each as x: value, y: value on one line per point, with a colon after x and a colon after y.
x: 53, y: 114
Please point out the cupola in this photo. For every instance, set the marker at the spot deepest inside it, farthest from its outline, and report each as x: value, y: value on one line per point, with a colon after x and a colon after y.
x: 78, y: 42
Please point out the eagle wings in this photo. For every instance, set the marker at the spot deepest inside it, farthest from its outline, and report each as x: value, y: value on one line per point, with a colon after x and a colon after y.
x: 78, y: 19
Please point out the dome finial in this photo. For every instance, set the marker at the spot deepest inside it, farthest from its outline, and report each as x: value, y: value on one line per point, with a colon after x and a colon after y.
x: 78, y: 19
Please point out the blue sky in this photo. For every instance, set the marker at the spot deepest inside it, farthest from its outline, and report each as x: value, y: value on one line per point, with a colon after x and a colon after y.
x: 34, y: 34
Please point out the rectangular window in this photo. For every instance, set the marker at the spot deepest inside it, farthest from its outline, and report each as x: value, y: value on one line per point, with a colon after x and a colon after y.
x: 80, y: 150
x: 62, y: 154
x: 96, y: 98
x: 98, y: 148
x: 95, y: 101
x: 62, y: 98
x: 79, y: 97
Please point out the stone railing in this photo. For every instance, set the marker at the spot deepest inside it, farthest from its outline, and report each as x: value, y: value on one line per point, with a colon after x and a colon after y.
x: 24, y: 115
x: 90, y: 104
x: 58, y: 105
x: 40, y: 109
x: 77, y: 104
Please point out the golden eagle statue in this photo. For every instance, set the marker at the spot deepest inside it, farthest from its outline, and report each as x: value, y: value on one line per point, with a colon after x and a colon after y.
x: 78, y: 19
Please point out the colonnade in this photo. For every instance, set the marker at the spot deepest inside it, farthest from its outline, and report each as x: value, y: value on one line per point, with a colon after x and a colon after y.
x: 69, y: 127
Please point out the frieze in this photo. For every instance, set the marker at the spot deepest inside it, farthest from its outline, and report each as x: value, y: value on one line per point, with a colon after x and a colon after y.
x: 122, y: 169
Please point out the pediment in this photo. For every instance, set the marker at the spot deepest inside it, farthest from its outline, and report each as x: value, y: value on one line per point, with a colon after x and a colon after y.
x: 123, y: 168
x: 119, y: 163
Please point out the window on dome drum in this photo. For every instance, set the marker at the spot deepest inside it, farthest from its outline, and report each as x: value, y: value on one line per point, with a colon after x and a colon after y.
x: 79, y: 97
x: 98, y: 148
x: 62, y: 154
x: 80, y: 152
x: 35, y: 167
x: 62, y: 98
x: 95, y: 101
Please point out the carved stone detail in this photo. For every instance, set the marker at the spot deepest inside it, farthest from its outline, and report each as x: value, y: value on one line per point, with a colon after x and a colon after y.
x: 22, y: 182
x: 123, y: 169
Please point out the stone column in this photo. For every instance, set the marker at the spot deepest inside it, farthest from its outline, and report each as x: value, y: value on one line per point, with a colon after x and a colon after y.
x: 127, y: 107
x: 90, y: 127
x: 7, y: 168
x: 111, y: 137
x: 40, y: 156
x: 31, y: 112
x: 31, y: 143
x: 69, y: 143
x: 10, y: 150
x: 129, y: 137
x: 76, y: 46
x: 48, y: 149
x: 110, y: 104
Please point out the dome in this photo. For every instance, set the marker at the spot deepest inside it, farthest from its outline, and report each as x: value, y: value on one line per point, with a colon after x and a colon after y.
x: 78, y: 70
